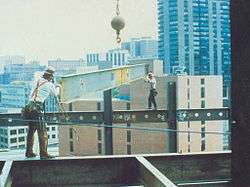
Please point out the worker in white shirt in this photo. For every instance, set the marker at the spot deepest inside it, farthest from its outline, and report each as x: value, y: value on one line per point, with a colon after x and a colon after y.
x: 43, y: 88
x: 152, y: 91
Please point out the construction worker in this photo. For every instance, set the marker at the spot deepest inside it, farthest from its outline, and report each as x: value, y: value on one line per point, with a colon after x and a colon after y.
x: 152, y: 90
x: 43, y: 88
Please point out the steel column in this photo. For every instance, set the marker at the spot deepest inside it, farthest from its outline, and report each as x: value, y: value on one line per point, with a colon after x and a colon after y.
x: 107, y: 117
x: 171, y: 103
x: 240, y: 29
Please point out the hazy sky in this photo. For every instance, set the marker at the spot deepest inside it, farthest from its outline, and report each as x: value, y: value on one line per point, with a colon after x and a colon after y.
x: 48, y: 29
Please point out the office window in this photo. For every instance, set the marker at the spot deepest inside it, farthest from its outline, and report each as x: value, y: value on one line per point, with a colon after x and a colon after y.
x: 21, y: 139
x: 129, y: 149
x: 21, y: 146
x: 98, y: 106
x: 13, y: 140
x: 20, y: 131
x: 225, y: 92
x: 115, y: 59
x: 99, y: 135
x: 71, y: 146
x: 202, y: 81
x: 99, y: 148
x: 128, y: 106
x: 48, y: 136
x: 202, y: 92
x: 53, y: 128
x: 129, y: 136
x: 203, y: 145
x: 203, y: 132
x: 71, y: 133
x: 202, y: 104
x: 53, y: 136
x: 47, y: 128
x: 226, y: 103
x: 12, y: 132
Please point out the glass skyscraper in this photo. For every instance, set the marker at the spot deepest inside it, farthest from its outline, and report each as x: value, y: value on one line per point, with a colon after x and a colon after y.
x: 194, y: 37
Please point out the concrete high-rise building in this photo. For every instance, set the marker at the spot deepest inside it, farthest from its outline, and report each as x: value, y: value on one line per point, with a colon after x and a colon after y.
x: 111, y: 58
x: 15, y: 137
x: 141, y: 48
x: 63, y: 67
x: 194, y: 37
x: 15, y: 95
x: 20, y: 72
x: 192, y: 92
x: 7, y: 60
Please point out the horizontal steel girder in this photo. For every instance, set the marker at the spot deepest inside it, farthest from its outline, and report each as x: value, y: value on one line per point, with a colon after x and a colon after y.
x: 126, y: 116
x: 153, y: 170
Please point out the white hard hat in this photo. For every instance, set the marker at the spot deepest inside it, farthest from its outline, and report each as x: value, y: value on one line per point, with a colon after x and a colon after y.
x: 50, y: 70
x: 150, y: 74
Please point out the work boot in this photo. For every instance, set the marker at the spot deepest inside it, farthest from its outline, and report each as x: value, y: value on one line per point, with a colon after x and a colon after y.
x: 46, y: 157
x: 30, y: 155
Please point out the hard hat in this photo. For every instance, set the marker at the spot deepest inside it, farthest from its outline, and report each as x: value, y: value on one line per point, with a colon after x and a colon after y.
x: 49, y: 70
x: 150, y: 74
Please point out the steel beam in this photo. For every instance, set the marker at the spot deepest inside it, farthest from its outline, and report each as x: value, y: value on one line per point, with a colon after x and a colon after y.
x: 151, y: 175
x: 121, y: 116
x: 123, y: 170
x: 5, y: 175
x: 203, y: 114
x: 85, y: 85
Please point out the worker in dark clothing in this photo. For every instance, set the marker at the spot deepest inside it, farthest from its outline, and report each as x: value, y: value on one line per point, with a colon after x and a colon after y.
x: 152, y: 91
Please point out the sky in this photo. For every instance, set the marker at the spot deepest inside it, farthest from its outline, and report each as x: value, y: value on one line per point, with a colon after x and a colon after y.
x: 68, y: 29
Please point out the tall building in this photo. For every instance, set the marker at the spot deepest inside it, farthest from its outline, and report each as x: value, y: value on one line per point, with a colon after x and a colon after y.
x: 7, y: 60
x: 144, y: 47
x: 15, y: 95
x: 192, y: 92
x: 63, y: 67
x: 20, y: 72
x: 111, y: 58
x: 194, y: 37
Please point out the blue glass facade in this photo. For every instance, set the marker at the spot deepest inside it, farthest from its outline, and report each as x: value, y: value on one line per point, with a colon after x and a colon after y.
x: 195, y: 36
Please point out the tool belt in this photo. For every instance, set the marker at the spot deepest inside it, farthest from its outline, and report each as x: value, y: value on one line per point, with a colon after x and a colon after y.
x: 32, y: 109
x: 154, y: 92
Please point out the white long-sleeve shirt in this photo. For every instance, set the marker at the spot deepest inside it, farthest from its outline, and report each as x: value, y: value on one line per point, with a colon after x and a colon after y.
x: 44, y: 90
x: 152, y: 83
